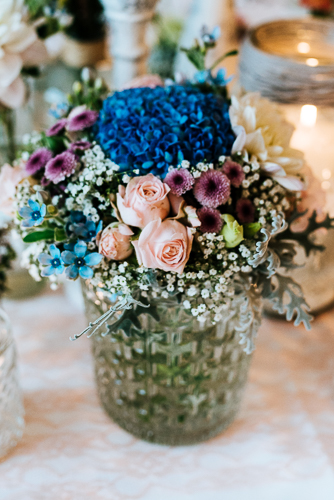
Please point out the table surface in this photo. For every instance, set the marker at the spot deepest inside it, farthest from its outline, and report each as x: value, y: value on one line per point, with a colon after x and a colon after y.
x: 281, y: 446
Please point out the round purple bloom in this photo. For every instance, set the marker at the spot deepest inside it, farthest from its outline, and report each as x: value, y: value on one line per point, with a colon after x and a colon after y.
x: 245, y: 211
x: 179, y: 180
x: 38, y: 160
x: 57, y: 127
x: 82, y: 120
x: 211, y: 221
x: 234, y: 172
x: 80, y: 145
x: 212, y: 189
x: 60, y: 166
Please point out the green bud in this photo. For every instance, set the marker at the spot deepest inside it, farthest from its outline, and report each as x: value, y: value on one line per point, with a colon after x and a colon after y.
x: 52, y: 210
x: 77, y: 87
x: 251, y: 229
x: 232, y: 231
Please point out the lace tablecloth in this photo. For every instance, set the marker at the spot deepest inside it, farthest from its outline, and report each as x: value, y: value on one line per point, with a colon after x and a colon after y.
x: 281, y: 447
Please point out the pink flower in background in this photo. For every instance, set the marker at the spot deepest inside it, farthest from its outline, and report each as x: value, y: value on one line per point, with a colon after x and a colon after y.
x: 10, y: 177
x: 313, y: 198
x: 144, y: 200
x: 19, y: 48
x: 245, y: 211
x: 234, y: 172
x: 179, y: 180
x: 210, y: 220
x: 212, y: 188
x: 318, y: 5
x: 164, y: 245
x: 114, y: 242
x: 38, y: 160
x: 57, y: 128
x: 150, y: 81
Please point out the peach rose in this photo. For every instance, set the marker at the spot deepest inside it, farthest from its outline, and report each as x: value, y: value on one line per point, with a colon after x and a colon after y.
x: 164, y: 245
x: 114, y: 241
x: 144, y: 199
x: 10, y: 177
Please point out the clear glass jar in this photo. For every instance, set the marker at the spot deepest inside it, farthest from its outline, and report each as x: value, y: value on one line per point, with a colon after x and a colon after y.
x: 11, y: 407
x: 164, y: 376
x: 291, y: 62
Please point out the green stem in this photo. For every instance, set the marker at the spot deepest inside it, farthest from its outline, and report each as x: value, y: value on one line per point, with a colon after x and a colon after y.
x: 220, y: 59
x: 8, y: 120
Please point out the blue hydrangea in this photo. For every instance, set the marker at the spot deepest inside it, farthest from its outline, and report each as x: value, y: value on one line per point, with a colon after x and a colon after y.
x: 151, y: 129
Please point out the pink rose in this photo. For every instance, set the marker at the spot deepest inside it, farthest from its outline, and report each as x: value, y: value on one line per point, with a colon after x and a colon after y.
x: 10, y: 177
x: 144, y: 199
x: 114, y: 241
x: 150, y: 81
x: 164, y: 245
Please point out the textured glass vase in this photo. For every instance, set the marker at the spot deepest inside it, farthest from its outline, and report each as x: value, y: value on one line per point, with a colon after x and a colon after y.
x: 164, y: 376
x: 11, y: 407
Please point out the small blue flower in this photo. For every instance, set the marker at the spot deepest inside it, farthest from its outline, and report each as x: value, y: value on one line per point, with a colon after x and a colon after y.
x: 80, y: 262
x: 88, y: 231
x: 33, y: 214
x: 54, y: 262
x: 210, y: 38
x: 206, y: 76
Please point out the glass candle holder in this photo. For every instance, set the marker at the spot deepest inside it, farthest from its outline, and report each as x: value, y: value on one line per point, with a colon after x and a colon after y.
x: 11, y: 407
x: 291, y: 62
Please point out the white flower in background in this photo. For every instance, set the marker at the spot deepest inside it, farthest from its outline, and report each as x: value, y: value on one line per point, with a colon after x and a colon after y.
x: 263, y: 132
x: 19, y: 47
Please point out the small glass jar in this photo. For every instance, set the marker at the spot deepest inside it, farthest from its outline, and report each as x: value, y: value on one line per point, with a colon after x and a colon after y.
x: 291, y: 62
x: 11, y: 407
x: 166, y: 377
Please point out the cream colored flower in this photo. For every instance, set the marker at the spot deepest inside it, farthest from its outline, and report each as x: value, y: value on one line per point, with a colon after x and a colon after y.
x: 19, y: 47
x: 265, y: 135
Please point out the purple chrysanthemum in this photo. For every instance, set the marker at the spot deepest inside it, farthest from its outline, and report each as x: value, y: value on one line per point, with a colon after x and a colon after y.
x: 60, y: 166
x: 179, y: 180
x: 211, y: 221
x: 245, y: 211
x: 82, y: 120
x: 234, y: 172
x: 80, y: 145
x: 38, y: 160
x: 57, y: 127
x: 212, y: 188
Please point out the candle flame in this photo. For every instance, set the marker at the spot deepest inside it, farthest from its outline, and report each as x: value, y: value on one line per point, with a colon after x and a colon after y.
x: 308, y: 115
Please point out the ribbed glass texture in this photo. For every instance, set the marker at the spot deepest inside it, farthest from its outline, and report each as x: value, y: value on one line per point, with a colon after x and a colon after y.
x: 165, y: 377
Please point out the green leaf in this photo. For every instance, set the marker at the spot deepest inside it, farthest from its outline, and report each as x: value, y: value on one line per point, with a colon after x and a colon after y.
x: 196, y: 57
x: 48, y: 234
x: 60, y: 234
x: 251, y: 229
x: 56, y: 144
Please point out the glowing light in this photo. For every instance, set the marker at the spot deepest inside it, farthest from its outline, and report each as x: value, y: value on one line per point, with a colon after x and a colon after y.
x: 326, y: 173
x: 312, y: 61
x: 303, y: 47
x: 325, y: 185
x: 308, y: 115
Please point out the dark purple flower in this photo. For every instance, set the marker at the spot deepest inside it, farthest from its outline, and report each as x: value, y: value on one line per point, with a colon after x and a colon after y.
x: 212, y: 188
x: 81, y: 120
x: 38, y: 160
x: 179, y: 181
x: 234, y: 172
x: 60, y: 167
x: 80, y: 145
x: 211, y: 221
x: 245, y: 211
x: 57, y: 127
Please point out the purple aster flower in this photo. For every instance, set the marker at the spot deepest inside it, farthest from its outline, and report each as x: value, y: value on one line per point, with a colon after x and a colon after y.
x: 212, y: 188
x: 234, y: 172
x: 80, y: 145
x: 81, y: 118
x: 179, y: 180
x: 38, y: 160
x: 60, y: 166
x: 57, y: 127
x: 245, y: 211
x: 211, y: 221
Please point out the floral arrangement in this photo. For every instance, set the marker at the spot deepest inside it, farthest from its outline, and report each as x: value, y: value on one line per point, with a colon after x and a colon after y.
x: 167, y: 190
